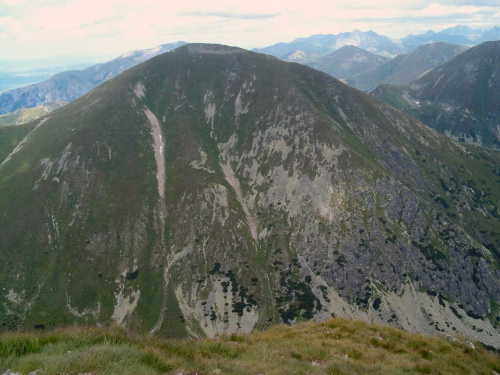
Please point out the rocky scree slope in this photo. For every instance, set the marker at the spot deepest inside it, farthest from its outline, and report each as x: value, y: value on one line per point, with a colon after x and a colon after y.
x: 460, y: 98
x: 213, y: 190
x: 69, y: 85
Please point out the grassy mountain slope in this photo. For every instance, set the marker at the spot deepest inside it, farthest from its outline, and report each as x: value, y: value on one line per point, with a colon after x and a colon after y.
x: 213, y: 190
x: 333, y: 347
x: 11, y: 136
x: 406, y: 68
x: 22, y: 116
x: 459, y: 98
x: 25, y: 115
x: 69, y: 85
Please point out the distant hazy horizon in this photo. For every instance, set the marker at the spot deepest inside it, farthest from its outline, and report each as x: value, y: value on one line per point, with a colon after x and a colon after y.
x: 19, y: 73
x: 72, y: 61
x: 47, y: 28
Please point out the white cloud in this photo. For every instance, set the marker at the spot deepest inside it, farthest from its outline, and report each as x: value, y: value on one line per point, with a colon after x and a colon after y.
x: 439, y: 10
x: 34, y: 28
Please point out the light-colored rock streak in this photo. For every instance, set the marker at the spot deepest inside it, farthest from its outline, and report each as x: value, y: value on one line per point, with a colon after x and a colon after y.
x: 238, y: 106
x: 139, y: 90
x: 158, y: 149
x: 158, y: 146
x: 124, y: 306
x: 231, y: 179
x: 171, y: 260
x: 203, y: 163
x: 87, y: 312
x: 23, y: 141
x: 210, y: 109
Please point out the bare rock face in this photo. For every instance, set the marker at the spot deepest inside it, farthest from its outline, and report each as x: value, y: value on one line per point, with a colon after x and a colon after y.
x: 212, y: 190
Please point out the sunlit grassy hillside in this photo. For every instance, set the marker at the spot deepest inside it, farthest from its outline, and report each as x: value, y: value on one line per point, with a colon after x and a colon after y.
x: 22, y: 116
x: 335, y: 347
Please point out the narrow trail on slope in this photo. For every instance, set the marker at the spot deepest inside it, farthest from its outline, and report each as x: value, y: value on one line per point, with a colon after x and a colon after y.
x: 20, y: 144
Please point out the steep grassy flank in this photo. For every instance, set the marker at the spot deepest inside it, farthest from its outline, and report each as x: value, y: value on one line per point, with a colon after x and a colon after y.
x: 334, y: 347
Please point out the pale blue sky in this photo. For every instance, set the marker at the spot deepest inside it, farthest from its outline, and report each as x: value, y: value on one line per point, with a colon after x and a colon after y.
x: 31, y: 29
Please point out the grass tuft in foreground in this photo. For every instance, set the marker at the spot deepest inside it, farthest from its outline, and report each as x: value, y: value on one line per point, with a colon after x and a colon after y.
x: 334, y: 347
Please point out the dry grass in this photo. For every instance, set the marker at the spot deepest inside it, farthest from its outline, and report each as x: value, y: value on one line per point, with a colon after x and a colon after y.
x: 335, y: 347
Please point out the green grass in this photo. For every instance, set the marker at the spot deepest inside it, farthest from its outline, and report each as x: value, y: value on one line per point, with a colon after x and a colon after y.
x: 334, y: 347
x: 22, y: 116
x: 10, y: 136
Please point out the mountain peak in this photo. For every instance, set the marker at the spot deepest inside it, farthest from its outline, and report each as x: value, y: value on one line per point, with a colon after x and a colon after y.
x: 458, y: 30
x: 203, y: 196
x: 213, y: 49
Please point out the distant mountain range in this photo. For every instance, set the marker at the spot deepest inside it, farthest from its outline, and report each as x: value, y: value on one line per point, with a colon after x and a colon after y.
x: 69, y: 85
x: 379, y: 44
x: 358, y: 57
x: 407, y: 67
x: 317, y: 51
x: 325, y: 44
x: 462, y: 35
x: 19, y: 73
x: 347, y: 61
x: 14, y: 80
x: 460, y: 98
